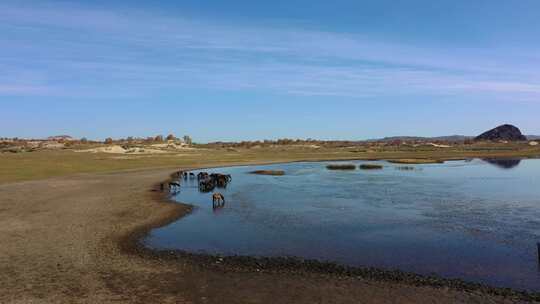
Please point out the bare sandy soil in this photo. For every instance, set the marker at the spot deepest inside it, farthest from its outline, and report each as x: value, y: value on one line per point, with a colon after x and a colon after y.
x: 62, y: 240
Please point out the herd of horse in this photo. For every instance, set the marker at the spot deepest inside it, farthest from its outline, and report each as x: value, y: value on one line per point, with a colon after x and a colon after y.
x: 207, y: 182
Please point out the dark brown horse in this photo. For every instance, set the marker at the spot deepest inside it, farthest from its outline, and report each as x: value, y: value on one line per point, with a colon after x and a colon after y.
x: 202, y: 175
x: 221, y: 180
x: 206, y: 185
x: 174, y: 185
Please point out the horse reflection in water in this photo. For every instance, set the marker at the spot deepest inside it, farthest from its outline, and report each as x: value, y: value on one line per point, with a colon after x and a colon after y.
x: 218, y: 201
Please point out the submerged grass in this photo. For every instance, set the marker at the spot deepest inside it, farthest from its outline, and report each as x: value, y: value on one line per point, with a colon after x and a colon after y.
x: 416, y: 161
x: 268, y: 172
x: 405, y: 168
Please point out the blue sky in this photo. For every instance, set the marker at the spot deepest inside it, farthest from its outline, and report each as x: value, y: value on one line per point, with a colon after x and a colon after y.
x: 241, y: 70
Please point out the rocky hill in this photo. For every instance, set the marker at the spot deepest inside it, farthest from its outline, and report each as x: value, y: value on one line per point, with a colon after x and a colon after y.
x: 504, y: 132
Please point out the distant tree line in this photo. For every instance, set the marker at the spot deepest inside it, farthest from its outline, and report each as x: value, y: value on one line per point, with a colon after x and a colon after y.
x: 148, y: 140
x: 283, y: 142
x: 245, y: 144
x: 326, y: 143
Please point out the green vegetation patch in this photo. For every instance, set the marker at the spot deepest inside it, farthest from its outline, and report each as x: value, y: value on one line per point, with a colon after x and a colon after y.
x: 370, y: 167
x: 341, y: 167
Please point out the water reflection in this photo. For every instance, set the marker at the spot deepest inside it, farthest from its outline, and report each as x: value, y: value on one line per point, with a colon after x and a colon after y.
x: 460, y: 219
x: 504, y: 163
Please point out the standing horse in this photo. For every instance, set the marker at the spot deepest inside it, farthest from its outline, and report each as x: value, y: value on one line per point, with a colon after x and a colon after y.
x: 202, y: 175
x: 174, y: 185
x: 206, y: 185
x: 218, y: 200
x: 221, y: 180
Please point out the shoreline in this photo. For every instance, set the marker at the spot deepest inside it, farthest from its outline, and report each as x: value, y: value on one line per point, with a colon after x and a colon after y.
x: 78, y: 239
x: 46, y: 165
x: 132, y: 243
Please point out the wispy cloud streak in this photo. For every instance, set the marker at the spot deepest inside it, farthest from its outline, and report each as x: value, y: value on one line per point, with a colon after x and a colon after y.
x: 52, y: 50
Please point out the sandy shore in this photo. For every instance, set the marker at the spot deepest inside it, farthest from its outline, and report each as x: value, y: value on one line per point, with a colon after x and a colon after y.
x: 71, y: 240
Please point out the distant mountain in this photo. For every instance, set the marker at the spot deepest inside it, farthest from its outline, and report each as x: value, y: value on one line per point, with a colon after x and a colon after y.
x: 449, y: 138
x: 503, y: 132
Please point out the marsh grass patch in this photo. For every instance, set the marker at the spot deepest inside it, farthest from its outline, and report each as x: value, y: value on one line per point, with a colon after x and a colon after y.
x: 341, y: 167
x: 268, y: 172
x: 371, y: 167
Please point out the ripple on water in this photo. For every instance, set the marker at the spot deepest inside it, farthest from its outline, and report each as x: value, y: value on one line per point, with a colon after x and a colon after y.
x: 462, y: 219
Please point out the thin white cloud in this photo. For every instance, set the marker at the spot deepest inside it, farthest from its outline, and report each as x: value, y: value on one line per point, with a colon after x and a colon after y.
x: 53, y: 49
x: 29, y: 90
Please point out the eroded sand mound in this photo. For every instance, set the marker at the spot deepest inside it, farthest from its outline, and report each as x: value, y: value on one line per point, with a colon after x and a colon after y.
x: 172, y: 145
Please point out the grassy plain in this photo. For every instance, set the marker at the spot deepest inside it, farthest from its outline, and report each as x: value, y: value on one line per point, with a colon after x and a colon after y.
x: 72, y: 239
x: 53, y: 163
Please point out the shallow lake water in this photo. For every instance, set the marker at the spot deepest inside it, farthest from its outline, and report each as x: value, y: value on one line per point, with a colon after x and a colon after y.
x: 476, y: 220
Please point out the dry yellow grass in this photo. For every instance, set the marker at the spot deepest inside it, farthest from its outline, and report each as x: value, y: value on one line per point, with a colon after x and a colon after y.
x: 51, y: 163
x: 63, y: 239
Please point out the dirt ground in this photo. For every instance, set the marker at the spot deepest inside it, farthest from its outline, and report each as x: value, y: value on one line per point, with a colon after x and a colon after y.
x: 61, y: 242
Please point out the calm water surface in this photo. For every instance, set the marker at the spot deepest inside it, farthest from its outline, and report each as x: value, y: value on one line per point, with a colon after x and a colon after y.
x: 476, y: 220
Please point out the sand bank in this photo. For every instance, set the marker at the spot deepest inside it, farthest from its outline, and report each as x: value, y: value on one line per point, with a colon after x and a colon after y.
x: 75, y: 240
